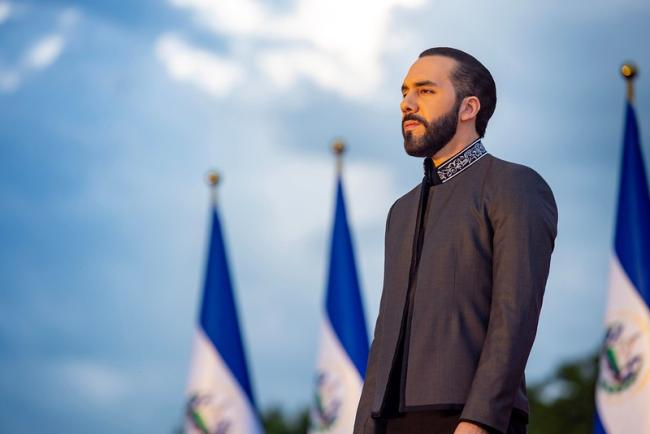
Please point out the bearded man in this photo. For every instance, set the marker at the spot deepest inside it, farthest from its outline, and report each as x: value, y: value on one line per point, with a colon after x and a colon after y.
x: 467, y: 256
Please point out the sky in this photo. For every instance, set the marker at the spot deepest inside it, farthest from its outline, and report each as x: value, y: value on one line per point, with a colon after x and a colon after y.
x: 111, y: 113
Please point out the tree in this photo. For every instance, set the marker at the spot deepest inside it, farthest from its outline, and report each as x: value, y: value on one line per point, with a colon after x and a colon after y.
x: 565, y: 402
x: 276, y: 422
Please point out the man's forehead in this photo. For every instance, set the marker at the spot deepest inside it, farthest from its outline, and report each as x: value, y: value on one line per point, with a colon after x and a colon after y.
x: 430, y: 68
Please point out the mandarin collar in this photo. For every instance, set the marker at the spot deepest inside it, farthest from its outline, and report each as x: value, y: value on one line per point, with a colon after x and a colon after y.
x: 454, y: 165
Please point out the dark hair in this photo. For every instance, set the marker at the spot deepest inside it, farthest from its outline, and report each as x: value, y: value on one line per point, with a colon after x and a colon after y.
x: 470, y: 78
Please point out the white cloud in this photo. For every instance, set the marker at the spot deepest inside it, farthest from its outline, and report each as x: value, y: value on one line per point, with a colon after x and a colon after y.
x: 45, y: 52
x: 5, y: 11
x: 41, y: 54
x: 295, y: 208
x: 336, y: 45
x: 203, y: 69
x: 94, y: 381
x: 285, y: 66
x: 69, y: 17
x: 233, y: 17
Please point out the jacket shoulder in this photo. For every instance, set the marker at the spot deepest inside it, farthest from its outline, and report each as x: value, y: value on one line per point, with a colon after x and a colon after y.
x: 516, y: 189
x: 507, y: 177
x: 408, y: 197
x: 507, y: 171
x: 404, y: 203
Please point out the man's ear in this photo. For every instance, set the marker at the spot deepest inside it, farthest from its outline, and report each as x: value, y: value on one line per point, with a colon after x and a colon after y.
x: 469, y: 108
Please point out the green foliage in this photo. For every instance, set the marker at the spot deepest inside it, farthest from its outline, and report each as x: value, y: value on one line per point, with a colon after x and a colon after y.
x: 276, y: 422
x: 565, y: 402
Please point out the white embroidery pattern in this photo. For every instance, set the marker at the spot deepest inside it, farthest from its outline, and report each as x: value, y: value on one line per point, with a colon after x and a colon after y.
x: 461, y: 161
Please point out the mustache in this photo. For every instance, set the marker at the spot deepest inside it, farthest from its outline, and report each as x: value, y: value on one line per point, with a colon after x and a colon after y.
x: 414, y: 117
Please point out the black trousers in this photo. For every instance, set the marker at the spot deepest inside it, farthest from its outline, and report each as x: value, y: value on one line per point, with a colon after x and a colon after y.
x: 434, y: 422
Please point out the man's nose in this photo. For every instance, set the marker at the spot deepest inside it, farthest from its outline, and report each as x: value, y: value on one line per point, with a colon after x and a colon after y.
x: 408, y: 104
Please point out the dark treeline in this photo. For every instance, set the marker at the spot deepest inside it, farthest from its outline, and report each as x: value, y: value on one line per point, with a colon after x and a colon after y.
x: 561, y: 404
x: 565, y: 402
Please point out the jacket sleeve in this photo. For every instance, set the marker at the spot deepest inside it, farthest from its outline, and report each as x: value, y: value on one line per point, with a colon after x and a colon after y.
x: 523, y: 216
x: 364, y: 409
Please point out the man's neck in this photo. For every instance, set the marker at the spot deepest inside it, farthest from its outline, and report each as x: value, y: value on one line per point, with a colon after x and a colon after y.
x: 455, y: 145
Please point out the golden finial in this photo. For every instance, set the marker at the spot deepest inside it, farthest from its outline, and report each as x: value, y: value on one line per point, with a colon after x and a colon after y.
x: 213, y: 178
x: 629, y: 71
x: 338, y: 147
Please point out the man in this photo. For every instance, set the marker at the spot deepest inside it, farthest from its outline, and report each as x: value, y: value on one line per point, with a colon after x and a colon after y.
x: 467, y: 255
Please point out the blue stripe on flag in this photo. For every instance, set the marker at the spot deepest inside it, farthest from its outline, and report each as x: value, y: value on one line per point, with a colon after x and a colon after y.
x: 632, y: 239
x: 598, y: 424
x: 343, y: 300
x: 218, y: 311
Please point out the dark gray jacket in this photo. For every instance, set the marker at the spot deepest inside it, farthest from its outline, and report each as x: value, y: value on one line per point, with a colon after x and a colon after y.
x: 478, y: 291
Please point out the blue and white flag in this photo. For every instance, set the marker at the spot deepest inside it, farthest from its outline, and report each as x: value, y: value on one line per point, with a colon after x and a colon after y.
x: 219, y: 394
x: 623, y: 387
x: 343, y: 353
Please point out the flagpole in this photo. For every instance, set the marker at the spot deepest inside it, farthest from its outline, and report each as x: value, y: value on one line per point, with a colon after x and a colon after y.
x: 219, y: 392
x: 622, y: 399
x: 213, y: 178
x: 338, y: 147
x: 629, y: 72
x: 343, y: 348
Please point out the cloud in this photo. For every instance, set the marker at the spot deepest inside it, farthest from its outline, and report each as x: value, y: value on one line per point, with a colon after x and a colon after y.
x: 304, y: 43
x: 38, y: 57
x: 205, y: 70
x: 69, y: 17
x: 42, y: 53
x: 93, y: 381
x: 45, y: 52
x: 232, y: 17
x: 5, y: 11
x: 295, y: 221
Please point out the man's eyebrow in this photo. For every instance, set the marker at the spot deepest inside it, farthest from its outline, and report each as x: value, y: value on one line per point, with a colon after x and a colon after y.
x: 420, y: 84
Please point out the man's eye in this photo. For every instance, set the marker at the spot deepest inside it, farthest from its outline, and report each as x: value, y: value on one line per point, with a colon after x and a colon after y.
x: 426, y: 91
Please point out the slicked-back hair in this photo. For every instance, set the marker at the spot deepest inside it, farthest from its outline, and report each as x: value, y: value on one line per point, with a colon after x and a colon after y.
x: 470, y: 78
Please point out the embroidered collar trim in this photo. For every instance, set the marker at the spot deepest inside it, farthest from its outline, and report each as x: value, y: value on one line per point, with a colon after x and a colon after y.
x: 461, y: 161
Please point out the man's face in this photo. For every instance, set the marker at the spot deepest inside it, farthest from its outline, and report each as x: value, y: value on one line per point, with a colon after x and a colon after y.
x: 429, y: 108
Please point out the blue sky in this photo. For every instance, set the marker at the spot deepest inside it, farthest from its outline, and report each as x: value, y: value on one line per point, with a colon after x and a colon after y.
x: 112, y: 112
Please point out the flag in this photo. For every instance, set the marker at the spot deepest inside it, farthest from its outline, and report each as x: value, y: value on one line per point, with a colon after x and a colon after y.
x: 219, y: 394
x: 343, y: 350
x: 623, y: 385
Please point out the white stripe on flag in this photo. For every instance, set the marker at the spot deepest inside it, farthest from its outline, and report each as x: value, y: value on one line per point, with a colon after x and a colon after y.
x: 338, y: 386
x: 215, y: 399
x: 623, y: 389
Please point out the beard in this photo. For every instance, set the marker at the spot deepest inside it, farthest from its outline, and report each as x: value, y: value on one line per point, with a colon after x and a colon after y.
x: 436, y: 134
